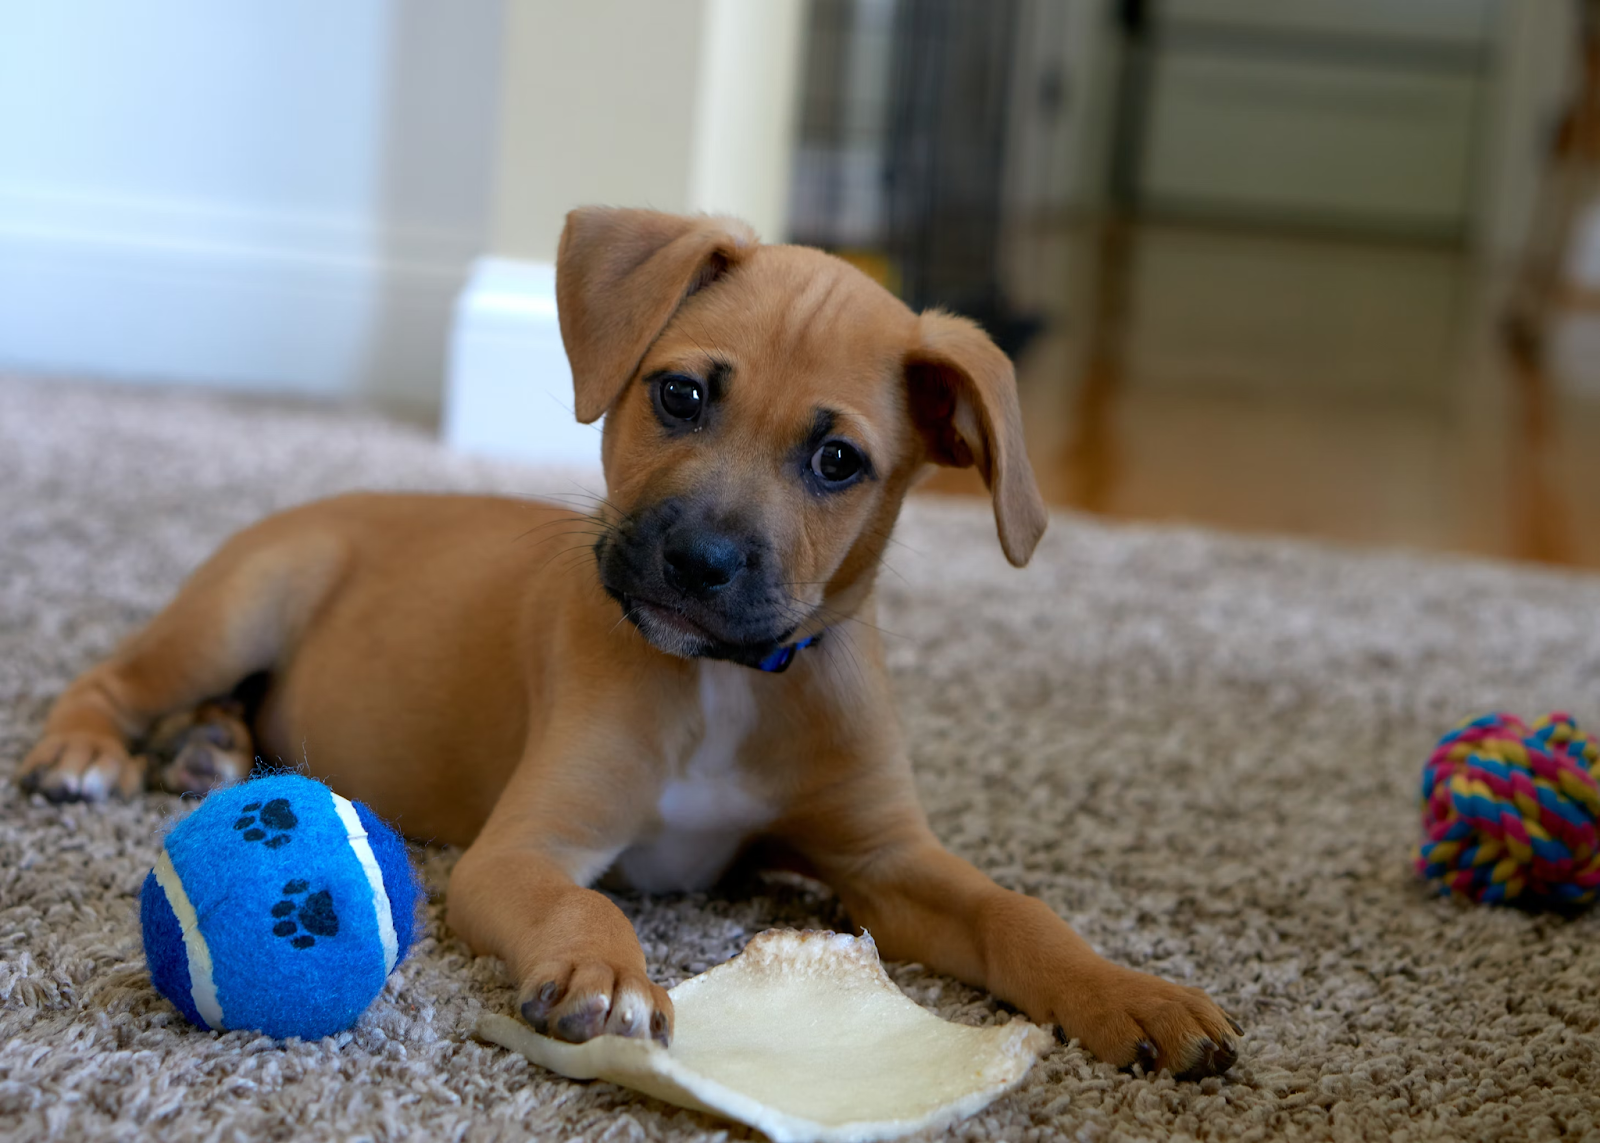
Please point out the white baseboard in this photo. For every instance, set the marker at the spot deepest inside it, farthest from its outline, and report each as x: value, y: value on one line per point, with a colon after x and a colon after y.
x: 169, y: 292
x: 509, y: 390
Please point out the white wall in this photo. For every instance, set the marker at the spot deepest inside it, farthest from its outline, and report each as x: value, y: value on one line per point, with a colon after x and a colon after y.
x: 274, y: 195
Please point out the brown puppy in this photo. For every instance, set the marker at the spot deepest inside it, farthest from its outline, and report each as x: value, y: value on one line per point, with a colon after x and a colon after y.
x: 468, y: 669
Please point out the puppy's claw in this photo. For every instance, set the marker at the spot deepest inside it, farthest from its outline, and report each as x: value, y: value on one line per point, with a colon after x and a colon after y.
x: 1238, y: 1028
x: 536, y: 1010
x: 61, y: 788
x: 1226, y: 1056
x: 1205, y: 1059
x: 660, y: 1030
x: 1214, y: 1059
x: 1145, y: 1055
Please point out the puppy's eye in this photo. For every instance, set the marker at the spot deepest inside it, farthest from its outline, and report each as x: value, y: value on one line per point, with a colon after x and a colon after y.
x: 837, y: 462
x: 681, y: 397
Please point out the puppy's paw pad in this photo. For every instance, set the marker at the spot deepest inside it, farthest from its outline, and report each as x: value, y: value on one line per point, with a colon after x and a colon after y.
x: 302, y: 918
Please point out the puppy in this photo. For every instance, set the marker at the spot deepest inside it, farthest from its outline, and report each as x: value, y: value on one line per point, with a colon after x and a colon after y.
x: 650, y: 688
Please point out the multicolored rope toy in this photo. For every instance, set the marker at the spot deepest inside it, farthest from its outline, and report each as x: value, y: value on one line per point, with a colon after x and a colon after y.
x: 1512, y: 813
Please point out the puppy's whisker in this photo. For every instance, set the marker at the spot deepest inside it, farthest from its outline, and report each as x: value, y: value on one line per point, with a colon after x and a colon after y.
x: 573, y: 409
x: 571, y: 532
x: 589, y: 505
x: 579, y: 549
x: 587, y: 546
x: 712, y: 358
x: 792, y: 607
x: 587, y: 522
x: 890, y: 539
x: 594, y: 496
x: 843, y: 651
x: 894, y: 571
x: 588, y: 519
x: 627, y: 614
x: 581, y: 523
x: 551, y: 523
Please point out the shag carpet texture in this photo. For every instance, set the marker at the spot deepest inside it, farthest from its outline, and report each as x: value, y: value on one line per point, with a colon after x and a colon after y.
x: 1204, y: 752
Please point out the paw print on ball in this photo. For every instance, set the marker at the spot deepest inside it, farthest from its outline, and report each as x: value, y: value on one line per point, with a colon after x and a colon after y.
x: 302, y: 919
x: 275, y: 818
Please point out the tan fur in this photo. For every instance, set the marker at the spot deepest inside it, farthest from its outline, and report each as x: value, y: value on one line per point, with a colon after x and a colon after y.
x: 455, y: 663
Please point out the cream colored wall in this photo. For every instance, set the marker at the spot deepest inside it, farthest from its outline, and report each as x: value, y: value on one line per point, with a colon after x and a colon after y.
x: 672, y: 104
x: 745, y: 114
x: 597, y: 104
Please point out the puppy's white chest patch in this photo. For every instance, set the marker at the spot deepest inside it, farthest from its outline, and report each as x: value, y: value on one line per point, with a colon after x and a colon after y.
x: 708, y: 810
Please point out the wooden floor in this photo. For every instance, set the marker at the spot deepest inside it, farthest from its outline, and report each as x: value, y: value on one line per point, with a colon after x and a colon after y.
x: 1352, y: 391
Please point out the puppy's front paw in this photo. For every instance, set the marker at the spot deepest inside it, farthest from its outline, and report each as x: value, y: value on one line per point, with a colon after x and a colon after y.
x: 577, y: 1000
x: 197, y: 751
x: 1127, y: 1017
x: 201, y: 767
x: 80, y: 766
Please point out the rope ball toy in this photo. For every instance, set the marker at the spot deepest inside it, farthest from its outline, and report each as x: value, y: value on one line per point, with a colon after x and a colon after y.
x: 278, y: 907
x: 1511, y: 813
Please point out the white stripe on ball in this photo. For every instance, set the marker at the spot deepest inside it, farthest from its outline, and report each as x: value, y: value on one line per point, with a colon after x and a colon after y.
x: 202, y: 986
x: 369, y: 866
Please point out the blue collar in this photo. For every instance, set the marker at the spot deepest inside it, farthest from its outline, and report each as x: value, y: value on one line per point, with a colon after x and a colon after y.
x: 778, y: 662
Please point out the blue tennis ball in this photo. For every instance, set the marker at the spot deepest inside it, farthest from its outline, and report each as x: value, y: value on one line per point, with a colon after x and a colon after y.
x: 279, y: 907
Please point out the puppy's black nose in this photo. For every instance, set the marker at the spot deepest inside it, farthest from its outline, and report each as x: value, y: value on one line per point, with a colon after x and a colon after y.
x: 700, y: 564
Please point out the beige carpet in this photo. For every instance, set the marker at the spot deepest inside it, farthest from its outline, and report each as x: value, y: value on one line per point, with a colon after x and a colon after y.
x: 1202, y: 751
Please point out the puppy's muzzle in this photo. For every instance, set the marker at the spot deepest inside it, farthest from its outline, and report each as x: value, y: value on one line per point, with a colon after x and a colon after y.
x: 700, y: 564
x: 697, y: 582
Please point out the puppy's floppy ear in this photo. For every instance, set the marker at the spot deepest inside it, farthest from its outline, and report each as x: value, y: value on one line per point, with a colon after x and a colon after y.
x: 620, y: 276
x: 964, y: 398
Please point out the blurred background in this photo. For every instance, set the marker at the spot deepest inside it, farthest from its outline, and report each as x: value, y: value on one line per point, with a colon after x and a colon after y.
x: 1320, y: 267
